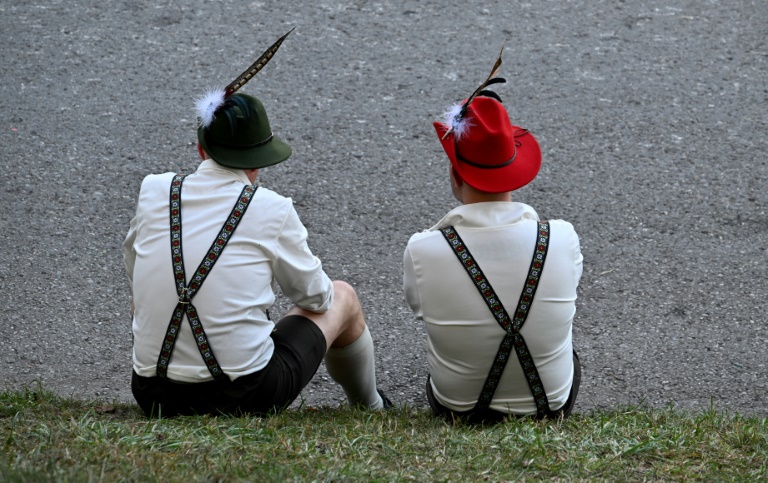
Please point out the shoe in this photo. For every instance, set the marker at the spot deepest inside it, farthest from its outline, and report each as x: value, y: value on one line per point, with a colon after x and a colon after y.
x: 387, y: 403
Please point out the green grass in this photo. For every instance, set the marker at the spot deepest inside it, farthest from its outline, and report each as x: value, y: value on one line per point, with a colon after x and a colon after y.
x: 47, y: 438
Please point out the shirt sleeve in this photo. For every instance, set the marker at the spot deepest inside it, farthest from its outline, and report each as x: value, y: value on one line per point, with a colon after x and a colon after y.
x: 577, y: 257
x: 129, y: 254
x: 298, y: 272
x: 410, y: 284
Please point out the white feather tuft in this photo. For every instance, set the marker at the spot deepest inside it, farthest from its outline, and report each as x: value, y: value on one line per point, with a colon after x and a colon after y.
x: 207, y: 105
x: 460, y: 126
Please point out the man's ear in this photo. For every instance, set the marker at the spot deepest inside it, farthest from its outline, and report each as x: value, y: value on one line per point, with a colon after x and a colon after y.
x: 200, y: 151
x: 456, y: 184
x: 456, y: 177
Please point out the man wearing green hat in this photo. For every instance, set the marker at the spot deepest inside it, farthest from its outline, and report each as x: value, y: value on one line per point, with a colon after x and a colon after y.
x: 201, y: 254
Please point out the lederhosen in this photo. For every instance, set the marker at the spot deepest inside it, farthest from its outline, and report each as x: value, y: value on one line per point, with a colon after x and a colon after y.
x: 512, y: 337
x: 187, y: 291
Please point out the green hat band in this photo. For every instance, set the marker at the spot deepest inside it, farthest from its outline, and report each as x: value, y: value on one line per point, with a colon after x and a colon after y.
x: 241, y: 146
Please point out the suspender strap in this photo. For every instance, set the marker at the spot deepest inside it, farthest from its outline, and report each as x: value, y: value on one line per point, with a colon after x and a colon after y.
x: 187, y: 291
x: 511, y: 325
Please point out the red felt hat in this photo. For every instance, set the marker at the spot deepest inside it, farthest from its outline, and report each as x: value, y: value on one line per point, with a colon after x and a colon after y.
x: 489, y: 153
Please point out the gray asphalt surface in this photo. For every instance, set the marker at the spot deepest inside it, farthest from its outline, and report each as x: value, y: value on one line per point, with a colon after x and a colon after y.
x: 651, y: 116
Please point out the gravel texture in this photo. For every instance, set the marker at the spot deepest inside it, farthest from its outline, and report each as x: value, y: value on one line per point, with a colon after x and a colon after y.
x: 652, y: 117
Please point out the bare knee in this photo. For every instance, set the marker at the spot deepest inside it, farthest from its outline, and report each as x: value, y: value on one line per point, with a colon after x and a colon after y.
x: 347, y: 306
x: 344, y: 295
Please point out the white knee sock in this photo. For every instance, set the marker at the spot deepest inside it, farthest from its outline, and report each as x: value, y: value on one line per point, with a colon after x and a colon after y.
x: 353, y: 367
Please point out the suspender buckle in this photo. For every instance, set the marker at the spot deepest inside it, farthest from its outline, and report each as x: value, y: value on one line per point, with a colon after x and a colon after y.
x: 184, y: 296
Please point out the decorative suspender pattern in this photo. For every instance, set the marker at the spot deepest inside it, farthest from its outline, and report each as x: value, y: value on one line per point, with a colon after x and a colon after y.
x: 511, y: 325
x: 187, y: 291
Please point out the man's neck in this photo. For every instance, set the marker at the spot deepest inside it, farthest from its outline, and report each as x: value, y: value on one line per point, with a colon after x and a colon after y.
x: 251, y: 174
x: 471, y: 195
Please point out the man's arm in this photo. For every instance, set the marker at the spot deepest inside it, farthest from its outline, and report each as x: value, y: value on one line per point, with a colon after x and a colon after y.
x: 410, y: 284
x: 298, y: 272
x: 129, y: 253
x: 129, y: 256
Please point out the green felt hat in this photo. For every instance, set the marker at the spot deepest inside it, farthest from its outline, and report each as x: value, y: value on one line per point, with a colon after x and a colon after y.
x: 239, y: 136
x: 234, y: 129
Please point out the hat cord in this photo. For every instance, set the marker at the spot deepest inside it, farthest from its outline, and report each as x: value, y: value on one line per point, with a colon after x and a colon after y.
x: 492, y: 166
x: 242, y: 146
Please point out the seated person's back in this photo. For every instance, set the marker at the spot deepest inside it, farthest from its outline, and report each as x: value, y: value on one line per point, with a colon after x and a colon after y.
x: 487, y: 250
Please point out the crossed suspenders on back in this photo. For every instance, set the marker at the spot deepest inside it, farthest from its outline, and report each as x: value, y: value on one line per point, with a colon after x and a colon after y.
x: 511, y: 325
x: 187, y: 291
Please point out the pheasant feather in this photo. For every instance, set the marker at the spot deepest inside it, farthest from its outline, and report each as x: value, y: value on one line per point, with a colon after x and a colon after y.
x: 490, y: 80
x: 212, y: 100
x: 458, y: 122
x: 251, y: 71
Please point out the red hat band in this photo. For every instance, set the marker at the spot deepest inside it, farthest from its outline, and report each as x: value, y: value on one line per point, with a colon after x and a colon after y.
x: 516, y: 134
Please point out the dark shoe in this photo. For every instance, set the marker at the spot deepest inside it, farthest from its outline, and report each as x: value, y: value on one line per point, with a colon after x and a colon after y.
x: 387, y: 403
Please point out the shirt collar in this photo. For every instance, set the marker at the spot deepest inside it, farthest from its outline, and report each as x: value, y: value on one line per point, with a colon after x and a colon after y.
x: 210, y: 164
x: 483, y: 215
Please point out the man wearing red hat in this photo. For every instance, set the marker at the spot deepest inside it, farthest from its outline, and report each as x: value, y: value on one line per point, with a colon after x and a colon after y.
x: 495, y: 286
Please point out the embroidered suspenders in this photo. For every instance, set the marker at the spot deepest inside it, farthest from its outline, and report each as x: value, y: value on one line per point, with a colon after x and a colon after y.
x: 186, y: 292
x: 511, y: 325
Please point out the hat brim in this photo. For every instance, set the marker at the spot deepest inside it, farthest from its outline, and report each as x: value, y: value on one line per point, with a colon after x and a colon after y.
x: 519, y: 173
x: 274, y: 152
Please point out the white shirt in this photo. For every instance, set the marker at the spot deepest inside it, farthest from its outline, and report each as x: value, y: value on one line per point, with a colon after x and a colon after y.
x: 269, y: 243
x: 463, y: 338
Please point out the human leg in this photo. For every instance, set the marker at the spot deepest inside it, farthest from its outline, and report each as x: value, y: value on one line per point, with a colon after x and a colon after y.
x: 350, y: 358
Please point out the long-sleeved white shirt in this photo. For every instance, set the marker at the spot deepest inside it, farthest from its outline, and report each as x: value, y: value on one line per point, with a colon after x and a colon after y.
x: 269, y: 243
x: 463, y: 338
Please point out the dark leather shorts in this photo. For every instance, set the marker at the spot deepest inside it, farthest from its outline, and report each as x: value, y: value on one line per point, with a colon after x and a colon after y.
x: 299, y: 349
x: 490, y: 416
